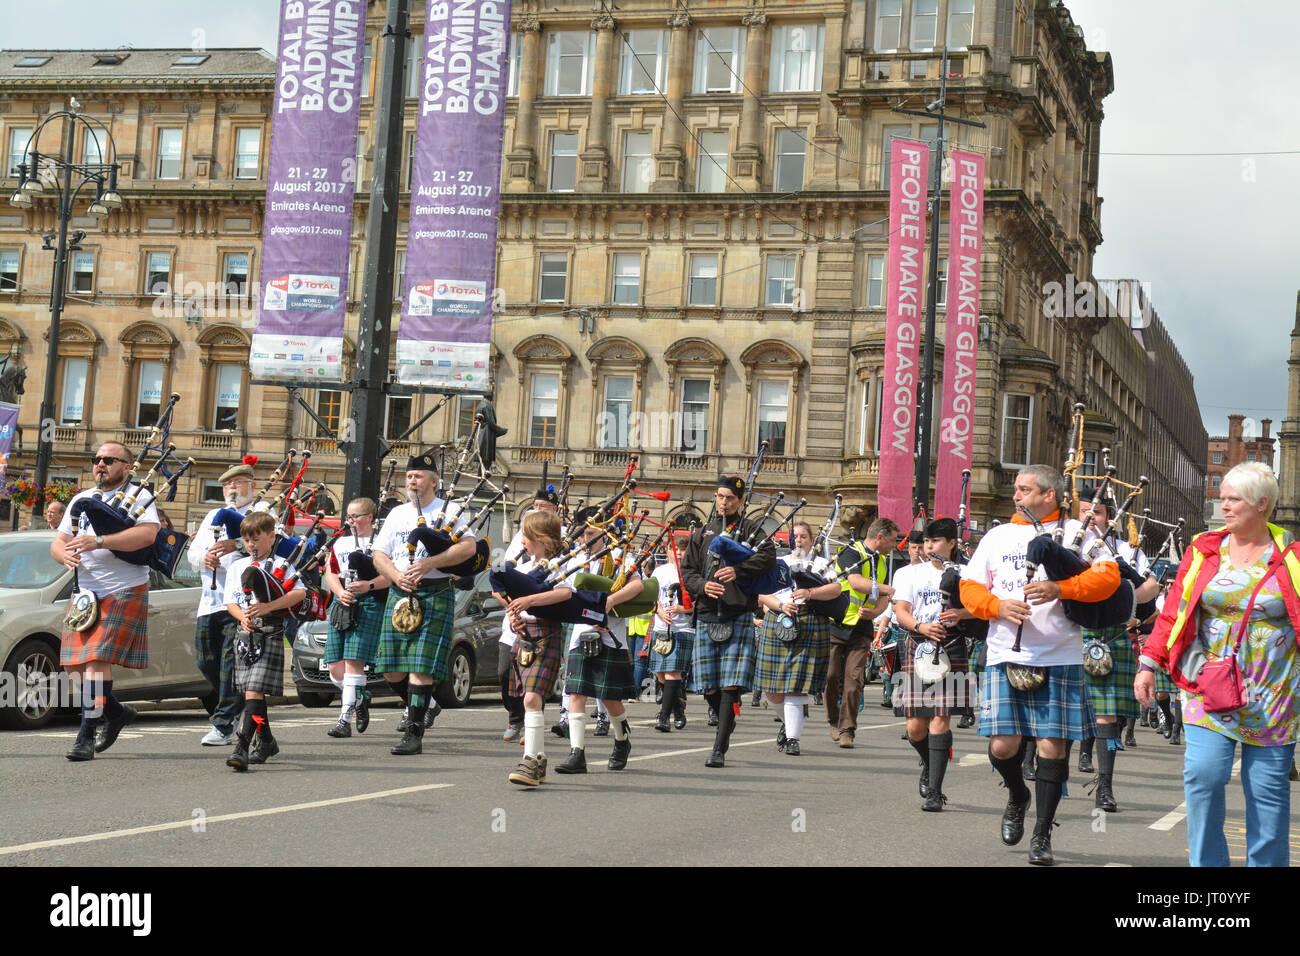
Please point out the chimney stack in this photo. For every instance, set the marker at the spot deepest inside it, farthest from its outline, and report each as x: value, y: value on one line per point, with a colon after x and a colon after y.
x: 1235, y: 453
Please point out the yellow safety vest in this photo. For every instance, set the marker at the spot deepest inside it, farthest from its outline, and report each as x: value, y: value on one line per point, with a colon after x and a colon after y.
x: 638, y: 626
x: 857, y: 598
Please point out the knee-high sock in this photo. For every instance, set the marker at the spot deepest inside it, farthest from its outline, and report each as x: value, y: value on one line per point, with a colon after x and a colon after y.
x: 92, y: 709
x: 671, y: 689
x: 922, y: 747
x: 1087, y: 745
x: 353, y: 684
x: 726, y: 719
x: 578, y: 734
x: 564, y: 708
x: 1012, y: 771
x: 794, y: 705
x: 336, y: 681
x: 260, y: 720
x: 622, y: 730
x: 1048, y: 788
x: 533, y: 720
x: 420, y: 695
x: 112, y: 706
x: 246, y: 726
x: 402, y: 689
x: 1108, y: 746
x: 938, y: 756
x: 714, y: 699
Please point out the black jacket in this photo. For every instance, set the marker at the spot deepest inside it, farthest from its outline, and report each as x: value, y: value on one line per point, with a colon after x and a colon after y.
x: 696, y: 560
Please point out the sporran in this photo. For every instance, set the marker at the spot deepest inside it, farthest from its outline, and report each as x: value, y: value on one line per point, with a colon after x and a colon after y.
x: 1097, y: 660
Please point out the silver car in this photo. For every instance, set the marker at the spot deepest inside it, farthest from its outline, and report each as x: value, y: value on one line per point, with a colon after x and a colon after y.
x: 34, y: 591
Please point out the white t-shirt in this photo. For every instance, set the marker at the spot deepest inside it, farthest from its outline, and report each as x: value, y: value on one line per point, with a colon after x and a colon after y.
x: 524, y: 565
x: 398, y: 526
x: 341, y: 552
x: 918, y: 585
x: 101, y: 570
x: 615, y: 634
x: 670, y: 593
x: 1135, y: 557
x: 234, y: 586
x: 204, y: 538
x: 1049, y: 638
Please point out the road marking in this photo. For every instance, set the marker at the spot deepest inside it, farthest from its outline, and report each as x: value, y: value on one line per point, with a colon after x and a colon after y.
x: 1171, y: 819
x: 747, y: 743
x: 222, y: 818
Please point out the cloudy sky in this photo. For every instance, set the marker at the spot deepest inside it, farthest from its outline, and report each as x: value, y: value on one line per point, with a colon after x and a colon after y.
x: 1216, y: 237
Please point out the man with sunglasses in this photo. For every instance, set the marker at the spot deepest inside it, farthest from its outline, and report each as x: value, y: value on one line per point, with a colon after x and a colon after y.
x: 120, y: 633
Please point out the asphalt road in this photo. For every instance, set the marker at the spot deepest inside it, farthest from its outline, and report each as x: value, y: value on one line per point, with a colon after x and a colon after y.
x: 158, y: 798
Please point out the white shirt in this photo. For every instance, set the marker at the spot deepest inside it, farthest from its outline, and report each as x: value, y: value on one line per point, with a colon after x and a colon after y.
x: 670, y: 593
x: 918, y: 585
x: 342, y: 550
x: 524, y: 565
x: 1049, y: 638
x: 234, y: 586
x: 615, y: 634
x: 398, y: 526
x: 1135, y: 557
x: 102, y: 571
x: 204, y: 538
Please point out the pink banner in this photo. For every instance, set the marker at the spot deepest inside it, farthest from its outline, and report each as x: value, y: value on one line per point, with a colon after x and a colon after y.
x: 908, y: 164
x: 961, y: 329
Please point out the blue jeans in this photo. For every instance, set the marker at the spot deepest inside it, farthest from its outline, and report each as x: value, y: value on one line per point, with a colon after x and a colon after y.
x: 641, y: 665
x: 1207, y: 767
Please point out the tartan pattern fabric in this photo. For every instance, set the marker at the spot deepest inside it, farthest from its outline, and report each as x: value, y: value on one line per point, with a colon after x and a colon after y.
x: 796, y: 668
x: 361, y: 643
x: 1112, y: 695
x: 730, y: 663
x: 214, y: 653
x: 1164, y: 684
x: 607, y: 676
x: 426, y: 650
x: 977, y: 655
x: 1059, y: 709
x: 120, y: 636
x: 914, y: 698
x: 267, y: 675
x: 539, y: 676
x: 680, y: 659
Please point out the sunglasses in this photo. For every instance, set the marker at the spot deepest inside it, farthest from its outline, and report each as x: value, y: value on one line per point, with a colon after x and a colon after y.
x: 107, y: 460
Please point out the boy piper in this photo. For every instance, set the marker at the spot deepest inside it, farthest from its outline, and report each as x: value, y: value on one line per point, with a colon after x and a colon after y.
x: 414, y: 663
x: 993, y: 588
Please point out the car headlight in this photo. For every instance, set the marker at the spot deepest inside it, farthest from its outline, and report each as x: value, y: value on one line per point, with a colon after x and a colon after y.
x: 302, y: 641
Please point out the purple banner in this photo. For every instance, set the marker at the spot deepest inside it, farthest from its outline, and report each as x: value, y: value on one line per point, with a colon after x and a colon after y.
x: 8, y: 425
x: 455, y: 197
x: 308, y: 223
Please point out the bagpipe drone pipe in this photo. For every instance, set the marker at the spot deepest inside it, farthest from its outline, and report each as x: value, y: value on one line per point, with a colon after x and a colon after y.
x: 437, y: 540
x: 730, y: 552
x: 299, y: 570
x: 643, y: 603
x: 1060, y: 563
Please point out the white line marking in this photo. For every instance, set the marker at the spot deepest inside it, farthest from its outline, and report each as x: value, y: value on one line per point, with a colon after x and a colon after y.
x: 747, y: 743
x: 222, y: 818
x: 1171, y: 819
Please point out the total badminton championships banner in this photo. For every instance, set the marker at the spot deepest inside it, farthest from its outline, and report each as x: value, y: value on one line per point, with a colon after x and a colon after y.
x: 455, y: 197
x: 961, y: 329
x: 309, y: 189
x: 8, y: 425
x: 907, y: 171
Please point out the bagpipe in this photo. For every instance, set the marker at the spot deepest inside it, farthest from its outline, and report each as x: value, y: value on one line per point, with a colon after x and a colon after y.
x: 361, y: 564
x: 731, y: 552
x: 813, y: 573
x: 643, y: 603
x: 265, y: 585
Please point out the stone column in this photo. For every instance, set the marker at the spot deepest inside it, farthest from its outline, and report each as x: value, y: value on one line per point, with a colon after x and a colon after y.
x: 670, y: 161
x: 595, y: 158
x: 748, y: 161
x: 521, y: 162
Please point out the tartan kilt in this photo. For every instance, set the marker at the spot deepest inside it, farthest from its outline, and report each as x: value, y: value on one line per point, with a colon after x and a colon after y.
x: 267, y: 675
x: 1164, y: 684
x: 728, y: 664
x: 539, y: 676
x: 978, y: 654
x: 914, y: 698
x: 426, y: 650
x: 120, y: 636
x: 361, y: 643
x: 607, y: 676
x: 1112, y: 695
x: 680, y: 658
x: 1059, y: 709
x: 797, y: 668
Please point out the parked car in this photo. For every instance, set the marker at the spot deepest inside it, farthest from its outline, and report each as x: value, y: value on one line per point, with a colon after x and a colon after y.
x: 34, y: 591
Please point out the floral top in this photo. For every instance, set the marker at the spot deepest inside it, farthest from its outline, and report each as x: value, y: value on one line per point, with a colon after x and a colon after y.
x: 1267, y: 655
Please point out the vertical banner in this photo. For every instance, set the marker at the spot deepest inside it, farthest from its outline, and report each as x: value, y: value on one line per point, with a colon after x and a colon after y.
x: 8, y: 426
x: 307, y: 228
x: 455, y: 197
x: 961, y: 329
x: 908, y: 164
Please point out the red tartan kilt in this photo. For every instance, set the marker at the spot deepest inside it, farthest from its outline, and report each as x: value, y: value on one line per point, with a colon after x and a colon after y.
x: 120, y: 636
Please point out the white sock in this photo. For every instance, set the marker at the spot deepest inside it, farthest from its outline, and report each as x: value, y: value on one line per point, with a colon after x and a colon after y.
x: 601, y: 711
x: 334, y: 680
x: 533, y: 732
x: 620, y: 726
x: 352, y: 686
x: 564, y: 709
x: 578, y: 734
x: 794, y: 714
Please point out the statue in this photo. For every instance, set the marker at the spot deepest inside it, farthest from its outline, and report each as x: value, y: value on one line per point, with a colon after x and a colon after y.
x: 488, y: 432
x: 12, y: 378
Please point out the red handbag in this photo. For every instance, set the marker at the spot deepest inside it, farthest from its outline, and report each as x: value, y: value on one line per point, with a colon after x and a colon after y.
x: 1222, y: 688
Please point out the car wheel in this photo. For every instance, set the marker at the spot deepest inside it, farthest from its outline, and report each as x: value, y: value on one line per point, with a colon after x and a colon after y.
x: 310, y: 698
x: 456, y: 691
x: 33, y: 666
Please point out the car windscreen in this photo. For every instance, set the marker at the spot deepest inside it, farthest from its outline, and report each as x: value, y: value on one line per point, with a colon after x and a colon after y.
x: 27, y: 564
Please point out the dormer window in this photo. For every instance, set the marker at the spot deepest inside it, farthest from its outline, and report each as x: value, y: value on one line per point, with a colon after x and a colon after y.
x: 192, y: 59
x: 31, y: 62
x: 109, y: 59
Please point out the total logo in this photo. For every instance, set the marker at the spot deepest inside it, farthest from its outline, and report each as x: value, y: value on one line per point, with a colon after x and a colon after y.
x: 458, y: 289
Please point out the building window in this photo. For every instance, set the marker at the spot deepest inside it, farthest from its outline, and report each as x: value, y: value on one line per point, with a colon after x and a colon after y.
x: 329, y: 409
x: 248, y: 152
x: 864, y: 416
x: 82, y: 276
x: 516, y: 57
x: 569, y: 63
x: 544, y: 412
x: 399, y: 276
x: 230, y: 383
x: 618, y: 412
x: 875, y: 282
x: 719, y: 60
x: 711, y: 170
x: 554, y: 275
x: 780, y: 279
x: 94, y: 147
x: 941, y: 297
x: 72, y: 403
x: 169, y: 154
x: 1016, y: 411
x: 638, y: 163
x: 1250, y: 456
x: 361, y: 158
x: 18, y: 140
x: 213, y: 491
x: 925, y: 23
x: 644, y: 56
x: 367, y: 64
x: 397, y: 417
x: 158, y: 273
x: 791, y: 148
x: 1089, y: 467
x: 695, y: 415
x: 704, y: 279
x: 408, y: 162
x: 8, y: 270
x: 235, y: 274
x: 961, y: 23
x: 414, y: 61
x: 773, y: 409
x: 627, y: 278
x: 1218, y: 458
x: 797, y: 58
x: 465, y: 408
x: 149, y: 400
x: 889, y: 25
x: 564, y: 162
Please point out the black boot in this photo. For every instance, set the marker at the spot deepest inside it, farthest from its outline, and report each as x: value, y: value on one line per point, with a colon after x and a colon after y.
x: 1107, y: 739
x: 412, y: 741
x: 618, y: 759
x: 922, y: 748
x: 1105, y: 798
x: 679, y: 709
x: 1085, y: 755
x: 243, y: 737
x: 84, y: 747
x: 1129, y: 739
x: 1176, y: 737
x: 265, y: 746
x: 671, y: 689
x: 1013, y: 817
x: 1040, y: 845
x: 938, y: 767
x: 577, y: 762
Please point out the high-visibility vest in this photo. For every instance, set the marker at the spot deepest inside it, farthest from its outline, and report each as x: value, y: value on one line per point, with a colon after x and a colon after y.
x: 857, y: 598
x: 638, y: 626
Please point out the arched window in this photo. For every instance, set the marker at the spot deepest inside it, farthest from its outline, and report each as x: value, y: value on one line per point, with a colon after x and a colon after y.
x: 147, y: 349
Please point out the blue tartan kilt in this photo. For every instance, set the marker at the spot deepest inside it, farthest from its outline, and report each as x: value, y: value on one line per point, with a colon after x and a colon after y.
x: 1059, y: 709
x: 1112, y: 695
x: 679, y: 659
x: 361, y: 642
x: 796, y: 668
x: 607, y: 676
x: 730, y: 663
x: 427, y: 649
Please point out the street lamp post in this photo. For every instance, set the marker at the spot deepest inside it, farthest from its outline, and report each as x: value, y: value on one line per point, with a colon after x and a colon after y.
x: 31, y: 184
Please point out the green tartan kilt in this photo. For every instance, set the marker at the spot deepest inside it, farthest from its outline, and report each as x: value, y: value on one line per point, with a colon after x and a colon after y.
x: 607, y: 676
x: 1164, y: 684
x: 361, y: 642
x: 1112, y: 695
x: 426, y: 651
x: 796, y: 668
